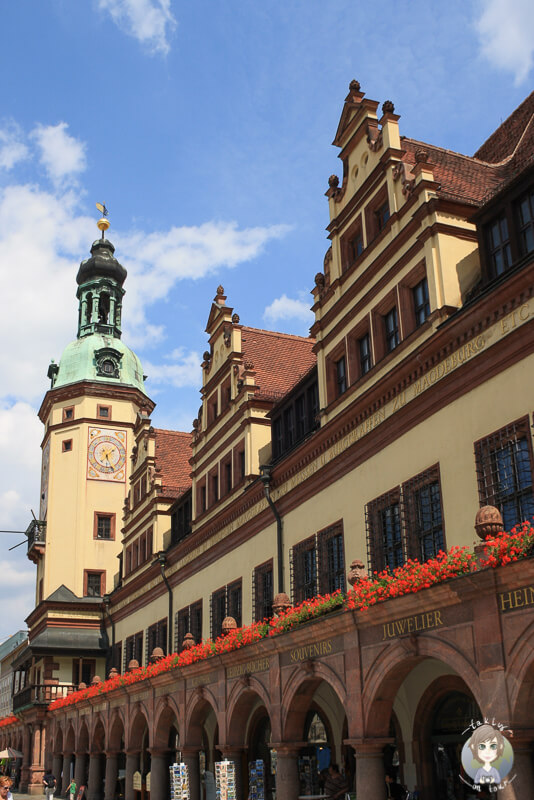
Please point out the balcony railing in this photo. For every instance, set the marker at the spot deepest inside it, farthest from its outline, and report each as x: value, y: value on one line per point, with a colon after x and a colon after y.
x: 40, y: 695
x: 36, y: 533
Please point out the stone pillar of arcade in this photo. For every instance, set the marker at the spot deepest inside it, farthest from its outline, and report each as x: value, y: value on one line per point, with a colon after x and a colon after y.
x: 159, y: 775
x: 190, y: 759
x: 132, y: 765
x: 94, y: 787
x: 80, y: 768
x: 65, y: 776
x: 287, y: 774
x: 370, y: 772
x: 112, y: 773
x: 235, y: 754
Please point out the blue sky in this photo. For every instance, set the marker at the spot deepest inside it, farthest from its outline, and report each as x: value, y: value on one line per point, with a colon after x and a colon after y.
x: 206, y: 128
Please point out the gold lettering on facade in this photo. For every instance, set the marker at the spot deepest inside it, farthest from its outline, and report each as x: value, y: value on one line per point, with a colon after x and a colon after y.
x: 250, y: 668
x: 517, y: 598
x: 414, y: 624
x: 310, y: 651
x: 517, y: 316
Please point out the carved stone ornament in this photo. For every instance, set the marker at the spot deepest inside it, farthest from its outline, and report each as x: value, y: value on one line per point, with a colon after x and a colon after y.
x: 488, y: 522
x: 188, y: 642
x: 402, y: 171
x: 319, y: 280
x: 228, y: 624
x: 97, y: 679
x: 235, y: 319
x: 113, y: 672
x: 220, y: 289
x: 227, y: 337
x: 195, y: 424
x: 356, y: 572
x: 281, y: 603
x: 388, y: 107
x: 157, y: 654
x: 421, y: 156
x: 354, y: 86
x: 206, y: 355
x: 82, y: 685
x: 333, y: 181
x: 374, y: 139
x: 133, y: 664
x: 249, y: 365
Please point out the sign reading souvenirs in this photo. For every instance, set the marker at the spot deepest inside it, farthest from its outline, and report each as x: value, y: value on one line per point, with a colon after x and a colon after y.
x: 320, y: 649
x: 249, y: 668
x: 516, y: 598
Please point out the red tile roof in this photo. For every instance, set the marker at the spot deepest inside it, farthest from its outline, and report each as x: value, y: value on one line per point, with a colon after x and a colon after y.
x: 475, y: 179
x: 173, y: 451
x: 280, y: 360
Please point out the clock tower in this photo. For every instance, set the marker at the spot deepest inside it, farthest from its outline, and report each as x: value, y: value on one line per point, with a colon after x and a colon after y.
x: 89, y: 413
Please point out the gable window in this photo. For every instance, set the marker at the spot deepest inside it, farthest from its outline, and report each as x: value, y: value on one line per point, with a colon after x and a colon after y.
x: 421, y: 302
x: 525, y: 219
x: 505, y: 472
x: 355, y: 246
x: 391, y: 325
x: 341, y: 375
x: 364, y: 352
x: 500, y: 254
x: 381, y: 216
x: 262, y: 591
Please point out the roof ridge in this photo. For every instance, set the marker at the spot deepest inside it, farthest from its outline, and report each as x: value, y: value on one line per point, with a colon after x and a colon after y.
x: 279, y: 333
x: 515, y: 112
x: 450, y: 152
x: 169, y: 430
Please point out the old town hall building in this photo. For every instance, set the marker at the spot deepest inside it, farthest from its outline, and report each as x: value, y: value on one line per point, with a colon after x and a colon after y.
x: 376, y: 440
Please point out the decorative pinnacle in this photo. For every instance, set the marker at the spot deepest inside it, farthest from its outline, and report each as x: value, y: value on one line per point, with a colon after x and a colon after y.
x: 103, y: 223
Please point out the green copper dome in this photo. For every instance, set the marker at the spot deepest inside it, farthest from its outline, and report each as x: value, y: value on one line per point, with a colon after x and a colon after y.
x: 99, y: 358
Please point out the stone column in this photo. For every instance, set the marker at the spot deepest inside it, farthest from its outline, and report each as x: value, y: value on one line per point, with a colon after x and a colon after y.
x: 235, y: 754
x: 26, y: 758
x: 287, y: 774
x: 94, y: 788
x: 159, y: 775
x: 370, y: 772
x: 132, y: 765
x: 57, y: 763
x: 112, y: 772
x: 80, y: 769
x: 65, y: 778
x: 522, y: 771
x: 190, y: 758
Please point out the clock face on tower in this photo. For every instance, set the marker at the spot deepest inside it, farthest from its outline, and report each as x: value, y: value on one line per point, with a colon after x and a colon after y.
x: 106, y: 455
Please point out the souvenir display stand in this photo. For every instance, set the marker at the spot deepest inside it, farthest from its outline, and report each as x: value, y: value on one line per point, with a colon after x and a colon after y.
x: 225, y: 780
x: 179, y: 782
x: 256, y: 780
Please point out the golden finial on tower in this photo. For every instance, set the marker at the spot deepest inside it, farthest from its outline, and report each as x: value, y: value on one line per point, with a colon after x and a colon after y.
x: 103, y: 223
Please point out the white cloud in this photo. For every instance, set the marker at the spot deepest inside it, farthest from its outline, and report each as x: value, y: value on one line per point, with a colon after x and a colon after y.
x: 61, y: 154
x: 149, y: 21
x: 505, y: 32
x: 184, y: 370
x: 285, y: 307
x: 12, y: 148
x: 159, y: 260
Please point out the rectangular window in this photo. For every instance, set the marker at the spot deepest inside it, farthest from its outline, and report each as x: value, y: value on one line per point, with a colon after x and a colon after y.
x: 156, y: 636
x: 385, y: 541
x: 68, y: 413
x: 133, y: 649
x: 499, y: 245
x: 341, y: 376
x: 391, y: 325
x: 116, y: 656
x: 214, y: 487
x: 181, y: 519
x: 66, y: 445
x: 241, y: 461
x: 234, y: 601
x: 94, y: 583
x: 289, y: 427
x: 218, y: 611
x: 381, y: 216
x: 525, y: 214
x: 104, y: 526
x: 364, y: 351
x: 331, y: 559
x: 304, y: 570
x: 423, y: 515
x: 227, y: 467
x: 301, y: 416
x: 202, y: 498
x: 421, y: 302
x: 262, y: 589
x: 189, y: 620
x: 103, y: 411
x: 355, y: 247
x: 505, y: 472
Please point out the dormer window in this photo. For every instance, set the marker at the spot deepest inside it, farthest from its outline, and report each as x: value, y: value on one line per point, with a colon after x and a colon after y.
x: 499, y: 245
x: 108, y: 361
x: 525, y: 218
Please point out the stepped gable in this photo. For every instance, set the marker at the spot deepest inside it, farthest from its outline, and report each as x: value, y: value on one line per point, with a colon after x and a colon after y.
x: 173, y: 451
x: 503, y: 142
x: 280, y: 359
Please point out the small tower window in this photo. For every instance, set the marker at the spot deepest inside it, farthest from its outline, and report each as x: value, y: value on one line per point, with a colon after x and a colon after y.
x: 88, y: 308
x: 108, y: 367
x: 103, y: 308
